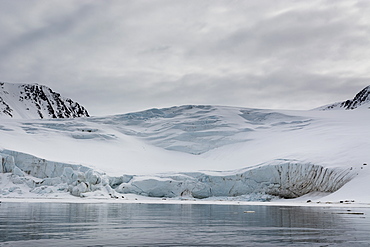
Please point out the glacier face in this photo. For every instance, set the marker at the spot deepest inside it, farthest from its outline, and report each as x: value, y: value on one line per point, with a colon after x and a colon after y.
x: 41, y: 176
x: 281, y: 178
x: 286, y: 179
x: 188, y: 151
x: 35, y: 101
x: 297, y: 152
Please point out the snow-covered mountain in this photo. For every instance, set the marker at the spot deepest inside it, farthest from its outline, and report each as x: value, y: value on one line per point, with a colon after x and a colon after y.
x: 33, y: 101
x: 190, y: 151
x: 361, y: 100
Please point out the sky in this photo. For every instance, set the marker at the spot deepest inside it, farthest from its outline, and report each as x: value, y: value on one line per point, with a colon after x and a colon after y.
x: 122, y: 56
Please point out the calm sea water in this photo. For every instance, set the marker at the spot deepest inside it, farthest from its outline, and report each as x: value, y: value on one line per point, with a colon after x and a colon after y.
x: 63, y: 224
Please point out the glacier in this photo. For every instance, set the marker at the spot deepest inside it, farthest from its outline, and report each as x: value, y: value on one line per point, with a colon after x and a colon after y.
x: 281, y: 178
x: 191, y: 151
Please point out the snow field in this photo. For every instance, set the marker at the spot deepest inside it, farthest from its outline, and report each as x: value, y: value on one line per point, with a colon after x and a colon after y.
x: 192, y: 151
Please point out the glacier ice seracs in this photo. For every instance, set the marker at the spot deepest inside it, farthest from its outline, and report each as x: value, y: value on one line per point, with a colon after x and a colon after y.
x: 281, y: 178
x: 189, y: 151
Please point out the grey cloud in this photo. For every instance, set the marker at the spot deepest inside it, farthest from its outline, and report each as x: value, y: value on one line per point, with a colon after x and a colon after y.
x: 310, y: 32
x: 118, y: 56
x: 276, y: 90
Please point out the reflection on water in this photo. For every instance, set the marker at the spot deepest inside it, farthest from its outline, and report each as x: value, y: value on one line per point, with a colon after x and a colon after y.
x: 58, y: 224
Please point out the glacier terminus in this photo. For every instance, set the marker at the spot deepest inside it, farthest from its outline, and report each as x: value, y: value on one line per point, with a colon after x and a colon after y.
x: 51, y: 148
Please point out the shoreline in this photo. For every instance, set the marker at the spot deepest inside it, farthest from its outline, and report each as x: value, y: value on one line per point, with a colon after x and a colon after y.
x: 141, y: 200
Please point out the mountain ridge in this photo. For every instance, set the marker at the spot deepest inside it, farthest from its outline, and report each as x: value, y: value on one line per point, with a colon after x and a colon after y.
x: 34, y: 101
x: 361, y: 99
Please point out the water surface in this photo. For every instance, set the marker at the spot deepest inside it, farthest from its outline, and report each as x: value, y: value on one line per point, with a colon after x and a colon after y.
x: 65, y: 224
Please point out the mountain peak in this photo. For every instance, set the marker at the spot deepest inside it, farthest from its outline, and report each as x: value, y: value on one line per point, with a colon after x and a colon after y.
x: 36, y: 101
x: 362, y: 99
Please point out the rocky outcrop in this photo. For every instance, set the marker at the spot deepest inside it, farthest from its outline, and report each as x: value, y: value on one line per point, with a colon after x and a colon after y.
x: 362, y: 99
x: 36, y: 101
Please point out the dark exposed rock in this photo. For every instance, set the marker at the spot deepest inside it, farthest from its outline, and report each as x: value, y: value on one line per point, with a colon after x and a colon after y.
x: 37, y: 101
x: 362, y: 98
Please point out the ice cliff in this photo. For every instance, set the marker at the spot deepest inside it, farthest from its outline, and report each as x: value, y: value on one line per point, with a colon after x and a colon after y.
x: 41, y: 176
x: 286, y: 179
x: 281, y: 178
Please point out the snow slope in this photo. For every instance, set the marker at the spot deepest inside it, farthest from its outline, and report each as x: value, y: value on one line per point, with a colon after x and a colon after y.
x: 32, y: 101
x: 190, y: 151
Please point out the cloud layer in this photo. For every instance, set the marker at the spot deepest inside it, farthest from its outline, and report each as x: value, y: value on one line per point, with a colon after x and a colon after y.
x: 120, y: 56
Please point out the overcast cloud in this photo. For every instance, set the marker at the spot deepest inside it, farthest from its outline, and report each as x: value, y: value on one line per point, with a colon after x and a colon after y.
x: 121, y: 56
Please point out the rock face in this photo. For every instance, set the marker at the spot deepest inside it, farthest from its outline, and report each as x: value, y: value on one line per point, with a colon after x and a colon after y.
x: 362, y: 99
x: 33, y: 101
